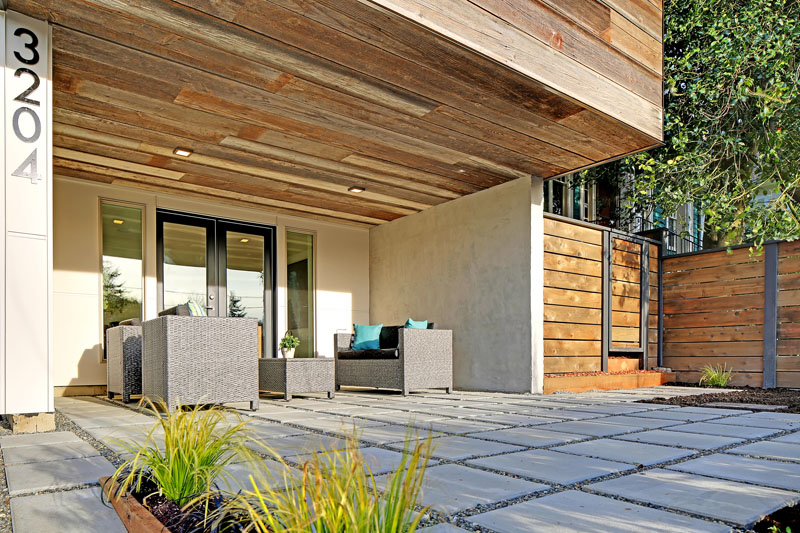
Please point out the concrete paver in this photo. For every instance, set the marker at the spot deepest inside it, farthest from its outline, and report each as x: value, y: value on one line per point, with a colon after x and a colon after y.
x: 48, y: 452
x: 75, y: 511
x: 34, y: 477
x: 450, y: 488
x: 34, y: 439
x: 531, y: 437
x: 579, y: 512
x: 740, y: 503
x: 695, y: 441
x: 595, y: 428
x: 456, y: 448
x: 725, y: 430
x: 758, y: 471
x: 625, y: 452
x: 774, y: 450
x: 550, y: 466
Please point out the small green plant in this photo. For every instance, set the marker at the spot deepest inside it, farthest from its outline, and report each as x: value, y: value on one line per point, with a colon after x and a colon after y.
x: 289, y: 341
x: 776, y: 529
x: 198, y: 445
x: 334, y: 492
x: 715, y: 376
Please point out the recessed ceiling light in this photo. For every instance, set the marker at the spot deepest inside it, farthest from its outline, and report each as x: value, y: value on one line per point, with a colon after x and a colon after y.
x: 244, y: 240
x: 461, y: 170
x: 183, y: 152
x: 118, y: 221
x: 356, y: 190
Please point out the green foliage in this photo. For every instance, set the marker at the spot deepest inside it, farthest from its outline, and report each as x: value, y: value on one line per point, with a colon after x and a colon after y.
x: 776, y: 529
x: 289, y: 341
x: 731, y: 121
x: 198, y: 445
x: 235, y: 307
x: 114, y: 297
x: 335, y: 492
x: 715, y: 376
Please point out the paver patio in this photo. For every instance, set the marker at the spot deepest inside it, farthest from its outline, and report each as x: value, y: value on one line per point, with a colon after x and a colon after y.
x: 501, y: 462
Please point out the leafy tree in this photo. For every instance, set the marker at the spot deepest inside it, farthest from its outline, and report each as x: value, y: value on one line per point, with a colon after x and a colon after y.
x: 235, y: 307
x: 114, y: 298
x: 731, y: 121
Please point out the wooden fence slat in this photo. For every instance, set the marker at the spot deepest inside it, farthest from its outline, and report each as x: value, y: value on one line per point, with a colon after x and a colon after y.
x: 737, y: 364
x: 788, y: 379
x: 717, y: 303
x: 786, y: 249
x: 555, y: 296
x: 575, y: 265
x: 565, y: 348
x: 789, y: 347
x: 621, y: 334
x: 571, y: 248
x: 575, y: 232
x: 556, y: 365
x: 714, y: 288
x: 720, y: 273
x: 715, y: 334
x: 584, y: 332
x: 711, y: 259
x: 623, y: 319
x: 628, y: 246
x: 738, y: 379
x: 713, y: 349
x: 577, y: 315
x: 747, y: 317
x: 621, y: 273
x: 788, y: 363
x: 569, y: 280
x: 787, y: 298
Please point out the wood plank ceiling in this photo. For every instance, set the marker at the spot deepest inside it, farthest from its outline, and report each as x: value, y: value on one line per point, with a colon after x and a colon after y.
x: 287, y: 103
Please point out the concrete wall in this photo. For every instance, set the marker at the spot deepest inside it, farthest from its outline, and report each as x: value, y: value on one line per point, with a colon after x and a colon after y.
x: 467, y: 265
x: 342, y: 271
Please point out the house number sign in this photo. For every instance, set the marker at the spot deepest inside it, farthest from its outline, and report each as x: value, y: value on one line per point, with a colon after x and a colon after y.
x: 27, y: 58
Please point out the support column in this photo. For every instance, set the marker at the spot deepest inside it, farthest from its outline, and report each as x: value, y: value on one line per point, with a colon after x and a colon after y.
x: 537, y: 285
x: 26, y: 264
x: 606, y: 301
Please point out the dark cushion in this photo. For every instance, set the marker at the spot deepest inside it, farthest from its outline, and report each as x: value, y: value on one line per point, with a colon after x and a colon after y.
x: 180, y: 310
x: 389, y: 338
x: 369, y: 354
x: 131, y: 322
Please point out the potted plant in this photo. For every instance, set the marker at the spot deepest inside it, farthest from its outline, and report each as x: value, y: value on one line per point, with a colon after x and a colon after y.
x: 288, y: 344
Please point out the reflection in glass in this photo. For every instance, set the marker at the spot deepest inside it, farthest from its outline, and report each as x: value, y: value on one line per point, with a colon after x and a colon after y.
x: 300, y: 290
x: 184, y: 275
x: 245, y: 275
x: 122, y: 263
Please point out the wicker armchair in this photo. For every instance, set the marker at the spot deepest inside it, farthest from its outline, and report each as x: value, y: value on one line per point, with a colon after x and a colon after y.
x: 124, y: 361
x: 423, y: 359
x: 194, y: 360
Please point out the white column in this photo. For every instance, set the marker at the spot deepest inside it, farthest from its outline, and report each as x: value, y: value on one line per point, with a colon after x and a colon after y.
x: 27, y: 257
x: 537, y: 285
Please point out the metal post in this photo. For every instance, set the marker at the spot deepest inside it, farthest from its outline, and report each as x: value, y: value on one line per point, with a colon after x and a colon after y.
x: 606, y: 302
x: 770, y: 315
x: 644, y: 303
x: 661, y: 304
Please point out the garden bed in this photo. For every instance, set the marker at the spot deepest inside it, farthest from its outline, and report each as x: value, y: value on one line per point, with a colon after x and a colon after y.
x: 790, y: 398
x: 586, y: 381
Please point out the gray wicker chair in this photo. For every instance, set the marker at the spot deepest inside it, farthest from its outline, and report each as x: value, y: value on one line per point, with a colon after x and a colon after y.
x: 200, y: 360
x: 124, y: 361
x: 423, y: 359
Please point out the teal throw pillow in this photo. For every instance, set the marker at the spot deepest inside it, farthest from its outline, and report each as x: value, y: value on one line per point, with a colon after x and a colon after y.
x: 416, y: 324
x: 367, y: 337
x: 195, y: 309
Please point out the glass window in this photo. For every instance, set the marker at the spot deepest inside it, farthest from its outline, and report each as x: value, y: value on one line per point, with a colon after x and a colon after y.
x: 185, y: 275
x: 244, y: 275
x: 122, y: 263
x: 300, y: 290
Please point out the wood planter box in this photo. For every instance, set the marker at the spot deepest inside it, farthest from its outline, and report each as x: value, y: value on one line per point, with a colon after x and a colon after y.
x: 553, y: 383
x: 135, y: 517
x: 623, y: 364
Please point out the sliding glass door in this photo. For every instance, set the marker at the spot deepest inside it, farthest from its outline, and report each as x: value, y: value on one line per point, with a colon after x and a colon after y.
x: 225, y: 266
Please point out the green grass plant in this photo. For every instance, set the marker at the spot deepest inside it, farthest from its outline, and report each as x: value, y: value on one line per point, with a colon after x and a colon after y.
x: 198, y: 445
x: 717, y: 376
x: 334, y: 492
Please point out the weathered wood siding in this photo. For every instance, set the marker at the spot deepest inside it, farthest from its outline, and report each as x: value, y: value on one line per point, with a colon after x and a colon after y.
x: 714, y: 314
x: 572, y: 297
x: 605, y: 54
x: 788, y: 314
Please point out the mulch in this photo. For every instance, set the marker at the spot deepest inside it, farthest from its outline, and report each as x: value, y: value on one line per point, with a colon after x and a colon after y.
x: 788, y: 397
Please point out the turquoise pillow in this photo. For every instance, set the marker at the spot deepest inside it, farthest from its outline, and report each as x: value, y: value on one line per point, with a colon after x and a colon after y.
x: 416, y: 324
x: 195, y: 309
x: 367, y: 337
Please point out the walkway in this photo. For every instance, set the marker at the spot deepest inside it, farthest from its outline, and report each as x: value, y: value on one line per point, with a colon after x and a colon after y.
x: 502, y: 462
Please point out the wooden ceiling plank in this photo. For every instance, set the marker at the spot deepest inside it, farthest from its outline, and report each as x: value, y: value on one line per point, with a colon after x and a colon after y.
x: 241, y: 42
x: 69, y: 136
x: 209, y: 191
x: 83, y: 150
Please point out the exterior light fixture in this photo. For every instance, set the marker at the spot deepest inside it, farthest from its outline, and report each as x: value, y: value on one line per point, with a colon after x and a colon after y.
x: 183, y: 152
x: 354, y: 189
x: 118, y: 221
x: 244, y: 240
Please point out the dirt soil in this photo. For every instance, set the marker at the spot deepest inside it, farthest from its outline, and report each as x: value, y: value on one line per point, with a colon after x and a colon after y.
x: 788, y: 397
x: 786, y: 519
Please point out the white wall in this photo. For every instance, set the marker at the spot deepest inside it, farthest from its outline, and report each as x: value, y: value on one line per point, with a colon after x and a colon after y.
x: 466, y: 265
x: 342, y: 271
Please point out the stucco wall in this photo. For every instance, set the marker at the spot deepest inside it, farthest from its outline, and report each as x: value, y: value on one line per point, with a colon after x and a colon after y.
x: 466, y: 265
x: 342, y: 271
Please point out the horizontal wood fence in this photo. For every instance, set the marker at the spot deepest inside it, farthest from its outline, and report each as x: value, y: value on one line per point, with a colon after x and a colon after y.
x: 600, y: 296
x: 737, y: 309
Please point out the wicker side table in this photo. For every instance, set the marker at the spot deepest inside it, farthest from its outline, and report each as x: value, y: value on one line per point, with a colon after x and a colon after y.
x: 295, y: 376
x: 124, y: 363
